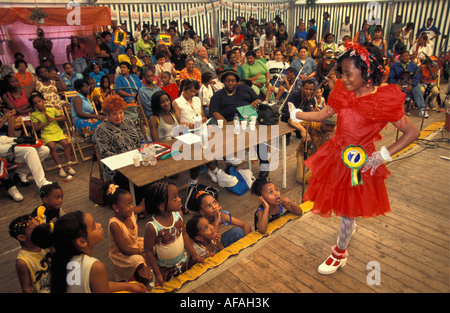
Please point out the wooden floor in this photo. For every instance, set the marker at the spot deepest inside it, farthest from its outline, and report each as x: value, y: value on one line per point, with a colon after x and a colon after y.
x: 410, y: 244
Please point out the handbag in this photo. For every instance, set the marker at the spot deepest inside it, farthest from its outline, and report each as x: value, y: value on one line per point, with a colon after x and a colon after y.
x: 193, y: 190
x: 97, y: 188
x: 22, y: 141
x: 268, y: 113
x: 241, y: 187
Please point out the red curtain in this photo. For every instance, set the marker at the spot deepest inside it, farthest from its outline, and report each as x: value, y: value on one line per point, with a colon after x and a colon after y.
x: 57, y: 16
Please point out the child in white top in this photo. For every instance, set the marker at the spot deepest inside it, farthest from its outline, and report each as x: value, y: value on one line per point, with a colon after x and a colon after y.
x: 73, y: 269
x: 206, y: 91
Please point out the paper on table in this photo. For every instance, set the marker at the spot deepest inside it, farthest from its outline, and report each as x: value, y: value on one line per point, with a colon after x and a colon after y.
x: 189, y: 138
x: 120, y: 160
x: 247, y: 110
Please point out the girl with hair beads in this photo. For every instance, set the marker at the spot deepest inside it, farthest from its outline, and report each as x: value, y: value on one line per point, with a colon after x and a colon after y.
x: 205, y: 237
x: 73, y: 269
x: 45, y: 120
x: 363, y: 109
x: 52, y: 199
x: 32, y: 262
x: 126, y: 249
x: 208, y: 206
x: 165, y: 239
x: 272, y: 204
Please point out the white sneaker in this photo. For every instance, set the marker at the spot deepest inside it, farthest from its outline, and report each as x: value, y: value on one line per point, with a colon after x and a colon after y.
x: 15, y: 194
x: 212, y: 175
x: 423, y: 113
x: 225, y: 180
x: 234, y: 161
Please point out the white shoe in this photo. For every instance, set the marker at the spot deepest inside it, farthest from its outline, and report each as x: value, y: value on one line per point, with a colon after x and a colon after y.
x: 225, y: 180
x: 325, y: 269
x: 15, y: 194
x: 234, y: 161
x: 335, y: 260
x: 62, y: 173
x: 212, y: 175
x: 71, y: 171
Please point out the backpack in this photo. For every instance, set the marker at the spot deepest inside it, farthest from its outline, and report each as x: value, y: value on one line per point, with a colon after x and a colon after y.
x: 268, y: 113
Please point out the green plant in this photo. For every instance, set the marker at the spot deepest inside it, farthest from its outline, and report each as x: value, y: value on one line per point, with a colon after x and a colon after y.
x: 37, y: 14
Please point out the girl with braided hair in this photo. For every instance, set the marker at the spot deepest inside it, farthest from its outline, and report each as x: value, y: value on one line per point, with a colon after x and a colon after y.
x: 166, y: 242
x: 347, y: 172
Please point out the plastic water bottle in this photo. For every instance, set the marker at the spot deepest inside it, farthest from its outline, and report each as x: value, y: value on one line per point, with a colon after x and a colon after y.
x: 237, y: 124
x: 197, y: 122
x: 204, y: 133
x: 144, y: 153
x: 152, y: 153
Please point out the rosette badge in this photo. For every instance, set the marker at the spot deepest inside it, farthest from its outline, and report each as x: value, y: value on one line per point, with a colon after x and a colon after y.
x: 354, y: 157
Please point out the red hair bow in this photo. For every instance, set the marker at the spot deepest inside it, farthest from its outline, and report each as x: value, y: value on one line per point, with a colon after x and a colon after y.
x: 359, y: 50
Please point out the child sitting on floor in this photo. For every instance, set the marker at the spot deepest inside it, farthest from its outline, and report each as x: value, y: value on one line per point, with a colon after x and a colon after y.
x: 52, y: 199
x: 32, y: 263
x: 209, y: 207
x: 45, y: 120
x: 126, y: 249
x: 165, y: 239
x: 206, y: 242
x: 272, y: 204
x: 73, y: 269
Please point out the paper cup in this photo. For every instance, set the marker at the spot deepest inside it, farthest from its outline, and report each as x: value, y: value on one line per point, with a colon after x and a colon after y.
x: 253, y: 118
x: 137, y: 161
x: 220, y: 123
x: 244, y: 124
x: 252, y: 125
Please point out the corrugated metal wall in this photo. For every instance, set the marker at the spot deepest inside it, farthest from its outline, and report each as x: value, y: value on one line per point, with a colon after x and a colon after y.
x: 412, y: 11
x: 199, y: 15
x: 202, y: 19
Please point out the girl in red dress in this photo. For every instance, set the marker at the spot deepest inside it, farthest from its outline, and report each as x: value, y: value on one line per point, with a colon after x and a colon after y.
x: 347, y: 172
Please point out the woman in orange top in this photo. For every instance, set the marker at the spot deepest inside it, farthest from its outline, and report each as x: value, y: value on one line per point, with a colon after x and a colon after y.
x: 190, y: 72
x: 25, y: 78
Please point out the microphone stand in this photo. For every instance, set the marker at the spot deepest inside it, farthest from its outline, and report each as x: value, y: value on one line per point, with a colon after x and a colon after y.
x: 307, y: 144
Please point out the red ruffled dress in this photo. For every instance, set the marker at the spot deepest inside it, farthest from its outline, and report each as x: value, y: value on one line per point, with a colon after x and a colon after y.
x: 359, y: 122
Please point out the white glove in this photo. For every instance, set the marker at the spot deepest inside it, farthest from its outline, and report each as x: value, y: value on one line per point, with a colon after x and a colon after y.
x: 293, y: 111
x: 376, y: 159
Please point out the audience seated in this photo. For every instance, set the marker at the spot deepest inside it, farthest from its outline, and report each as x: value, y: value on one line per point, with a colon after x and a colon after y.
x: 203, y: 63
x: 69, y: 76
x: 252, y: 53
x: 190, y: 72
x: 24, y: 77
x: 84, y: 118
x: 124, y: 80
x: 18, y: 56
x: 49, y: 86
x: 96, y: 74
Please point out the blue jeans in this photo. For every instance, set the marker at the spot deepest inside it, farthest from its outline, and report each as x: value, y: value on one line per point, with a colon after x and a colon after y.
x: 79, y: 65
x: 231, y: 236
x: 418, y: 97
